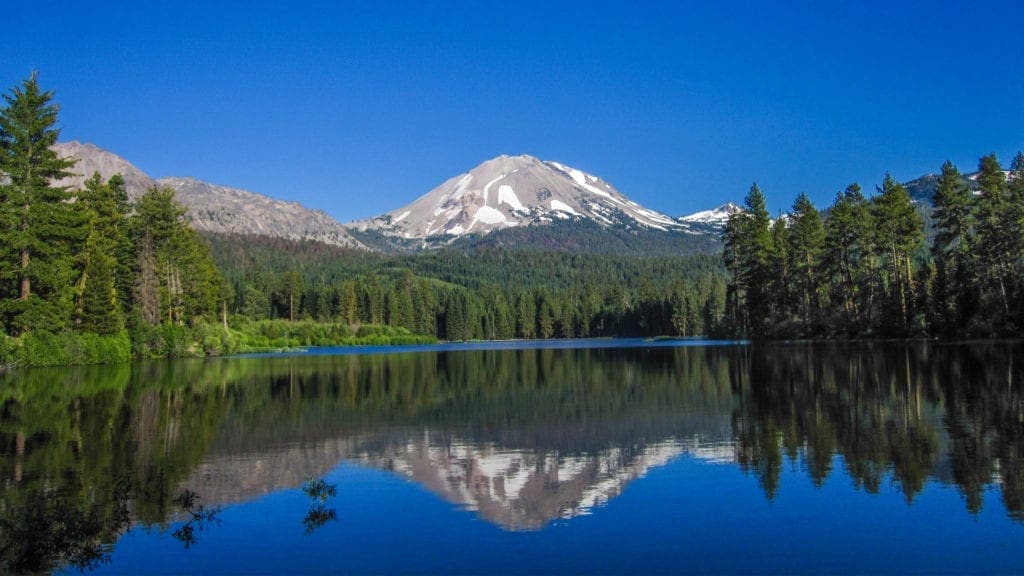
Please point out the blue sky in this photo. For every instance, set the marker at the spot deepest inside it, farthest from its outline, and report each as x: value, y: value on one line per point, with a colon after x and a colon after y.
x: 357, y: 109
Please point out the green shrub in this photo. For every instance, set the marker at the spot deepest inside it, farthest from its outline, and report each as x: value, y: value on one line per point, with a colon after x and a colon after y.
x: 41, y: 348
x: 215, y: 340
x: 8, y: 349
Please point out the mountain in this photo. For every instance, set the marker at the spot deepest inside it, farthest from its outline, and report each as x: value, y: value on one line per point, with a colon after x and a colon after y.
x: 91, y: 159
x: 511, y: 192
x: 225, y: 210
x: 714, y: 218
x: 212, y: 208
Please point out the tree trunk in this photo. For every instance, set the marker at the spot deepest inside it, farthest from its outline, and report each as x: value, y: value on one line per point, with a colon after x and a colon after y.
x: 26, y: 283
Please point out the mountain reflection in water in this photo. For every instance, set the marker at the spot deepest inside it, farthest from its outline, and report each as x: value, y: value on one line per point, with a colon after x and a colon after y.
x: 521, y: 437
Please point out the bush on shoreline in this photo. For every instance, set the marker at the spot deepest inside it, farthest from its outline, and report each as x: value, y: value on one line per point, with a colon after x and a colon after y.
x: 41, y: 348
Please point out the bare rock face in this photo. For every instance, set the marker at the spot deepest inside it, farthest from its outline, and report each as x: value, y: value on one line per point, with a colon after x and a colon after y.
x: 222, y: 209
x: 511, y: 191
x: 91, y: 159
x: 212, y: 208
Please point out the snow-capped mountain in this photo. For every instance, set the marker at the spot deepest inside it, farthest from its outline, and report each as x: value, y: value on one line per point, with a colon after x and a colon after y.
x: 715, y: 218
x: 515, y: 191
x: 211, y: 208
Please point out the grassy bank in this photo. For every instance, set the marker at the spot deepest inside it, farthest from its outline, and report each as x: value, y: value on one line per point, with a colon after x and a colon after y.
x: 40, y: 348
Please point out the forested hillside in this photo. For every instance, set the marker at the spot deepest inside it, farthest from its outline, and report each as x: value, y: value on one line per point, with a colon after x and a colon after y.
x: 462, y: 294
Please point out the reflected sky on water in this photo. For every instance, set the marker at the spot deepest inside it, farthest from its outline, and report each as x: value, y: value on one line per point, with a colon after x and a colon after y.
x: 639, y: 457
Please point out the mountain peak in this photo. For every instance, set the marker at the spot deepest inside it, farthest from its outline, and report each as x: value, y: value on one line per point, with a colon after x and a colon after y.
x: 511, y: 191
x: 716, y: 217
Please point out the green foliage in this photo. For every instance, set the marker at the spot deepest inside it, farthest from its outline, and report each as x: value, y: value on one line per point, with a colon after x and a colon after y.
x: 865, y: 271
x: 177, y: 280
x: 952, y: 298
x: 38, y: 226
x: 41, y: 348
x: 8, y: 350
x: 255, y: 336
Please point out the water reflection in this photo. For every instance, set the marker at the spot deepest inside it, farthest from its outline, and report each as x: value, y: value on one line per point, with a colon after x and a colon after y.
x: 319, y: 514
x: 521, y: 437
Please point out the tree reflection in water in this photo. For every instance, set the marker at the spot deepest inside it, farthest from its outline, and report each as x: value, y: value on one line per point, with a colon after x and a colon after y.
x: 319, y: 492
x: 80, y: 447
x: 199, y: 518
x: 46, y: 530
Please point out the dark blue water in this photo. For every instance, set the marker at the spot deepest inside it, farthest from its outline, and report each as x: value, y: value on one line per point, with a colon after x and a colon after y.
x: 603, y: 457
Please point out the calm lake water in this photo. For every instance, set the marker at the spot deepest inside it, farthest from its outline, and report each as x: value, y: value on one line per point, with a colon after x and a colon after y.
x: 602, y: 457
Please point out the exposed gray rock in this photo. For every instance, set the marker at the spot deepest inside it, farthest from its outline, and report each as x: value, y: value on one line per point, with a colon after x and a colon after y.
x: 212, y: 208
x: 91, y: 159
x: 221, y: 209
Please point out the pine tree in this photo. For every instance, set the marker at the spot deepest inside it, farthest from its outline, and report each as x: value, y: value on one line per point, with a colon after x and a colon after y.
x: 105, y: 257
x: 177, y: 277
x: 748, y: 247
x: 998, y: 243
x: 38, y: 226
x: 807, y: 241
x: 780, y: 292
x: 100, y: 312
x: 898, y: 232
x: 951, y: 251
x: 847, y: 258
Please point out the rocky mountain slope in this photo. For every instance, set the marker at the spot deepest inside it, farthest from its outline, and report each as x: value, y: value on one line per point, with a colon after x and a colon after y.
x: 513, y: 192
x: 91, y: 159
x: 212, y: 208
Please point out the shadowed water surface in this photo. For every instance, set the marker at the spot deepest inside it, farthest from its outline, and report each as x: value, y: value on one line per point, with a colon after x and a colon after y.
x: 584, y: 457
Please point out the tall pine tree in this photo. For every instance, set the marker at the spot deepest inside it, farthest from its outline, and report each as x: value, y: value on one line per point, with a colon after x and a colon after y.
x: 998, y: 243
x: 898, y: 232
x: 807, y: 241
x: 38, y: 226
x: 952, y: 297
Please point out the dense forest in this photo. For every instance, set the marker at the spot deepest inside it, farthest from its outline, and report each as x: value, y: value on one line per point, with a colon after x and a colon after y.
x: 478, y: 294
x: 864, y: 268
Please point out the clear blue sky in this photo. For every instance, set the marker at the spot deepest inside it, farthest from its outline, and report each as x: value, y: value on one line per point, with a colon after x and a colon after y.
x: 357, y: 109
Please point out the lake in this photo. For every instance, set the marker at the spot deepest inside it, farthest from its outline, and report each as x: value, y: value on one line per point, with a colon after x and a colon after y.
x: 590, y: 457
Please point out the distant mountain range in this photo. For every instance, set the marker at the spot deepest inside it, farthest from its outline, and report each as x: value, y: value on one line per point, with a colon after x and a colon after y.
x: 213, y: 208
x: 506, y: 201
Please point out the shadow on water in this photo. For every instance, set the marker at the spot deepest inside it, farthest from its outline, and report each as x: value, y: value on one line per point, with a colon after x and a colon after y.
x: 523, y: 437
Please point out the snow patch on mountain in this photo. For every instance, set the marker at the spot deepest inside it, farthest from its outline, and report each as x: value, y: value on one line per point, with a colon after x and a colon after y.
x: 560, y: 206
x: 489, y: 215
x: 506, y: 195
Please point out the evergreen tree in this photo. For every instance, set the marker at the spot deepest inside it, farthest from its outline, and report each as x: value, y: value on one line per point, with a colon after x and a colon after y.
x: 178, y: 282
x: 848, y: 265
x: 106, y: 256
x: 748, y: 248
x: 780, y: 292
x: 807, y: 245
x: 998, y: 244
x: 100, y: 312
x: 898, y: 231
x: 951, y: 251
x: 38, y: 226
